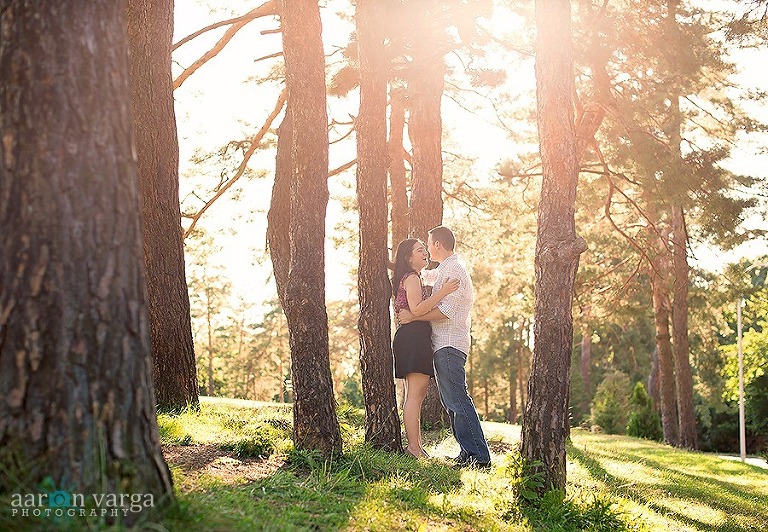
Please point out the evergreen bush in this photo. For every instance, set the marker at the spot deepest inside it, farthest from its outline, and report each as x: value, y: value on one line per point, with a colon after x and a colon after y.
x: 644, y: 421
x: 611, y: 403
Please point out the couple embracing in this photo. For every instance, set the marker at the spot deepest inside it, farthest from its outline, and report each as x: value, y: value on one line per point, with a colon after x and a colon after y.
x: 433, y: 339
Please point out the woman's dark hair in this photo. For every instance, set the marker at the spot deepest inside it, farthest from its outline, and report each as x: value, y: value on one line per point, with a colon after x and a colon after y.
x: 402, y: 267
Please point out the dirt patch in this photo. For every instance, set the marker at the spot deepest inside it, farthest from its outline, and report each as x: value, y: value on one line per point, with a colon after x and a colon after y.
x: 501, y: 447
x: 211, y: 461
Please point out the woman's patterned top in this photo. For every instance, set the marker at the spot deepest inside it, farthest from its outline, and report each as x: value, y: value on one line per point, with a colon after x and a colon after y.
x: 401, y: 299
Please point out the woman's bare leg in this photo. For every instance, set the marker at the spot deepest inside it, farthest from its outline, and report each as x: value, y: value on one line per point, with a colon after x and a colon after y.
x: 415, y: 391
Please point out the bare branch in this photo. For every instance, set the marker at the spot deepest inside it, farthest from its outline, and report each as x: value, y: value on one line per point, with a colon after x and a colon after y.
x: 243, y: 165
x: 341, y: 168
x: 267, y: 8
x: 270, y: 56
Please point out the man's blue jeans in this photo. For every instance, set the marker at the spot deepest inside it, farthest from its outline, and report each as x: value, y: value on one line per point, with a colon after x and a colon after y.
x: 452, y: 383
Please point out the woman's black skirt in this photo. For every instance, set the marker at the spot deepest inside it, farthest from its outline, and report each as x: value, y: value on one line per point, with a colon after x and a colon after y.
x: 412, y: 348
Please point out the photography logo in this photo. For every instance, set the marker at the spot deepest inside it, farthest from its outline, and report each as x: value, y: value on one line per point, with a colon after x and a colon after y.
x: 60, y: 503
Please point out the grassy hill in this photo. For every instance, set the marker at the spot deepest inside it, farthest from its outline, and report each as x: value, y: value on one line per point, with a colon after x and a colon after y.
x: 235, y: 469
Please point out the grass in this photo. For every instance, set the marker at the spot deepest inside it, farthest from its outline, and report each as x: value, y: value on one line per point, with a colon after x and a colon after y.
x: 235, y: 469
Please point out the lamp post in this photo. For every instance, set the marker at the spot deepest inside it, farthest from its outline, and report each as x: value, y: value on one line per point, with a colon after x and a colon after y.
x: 742, y: 428
x: 742, y: 421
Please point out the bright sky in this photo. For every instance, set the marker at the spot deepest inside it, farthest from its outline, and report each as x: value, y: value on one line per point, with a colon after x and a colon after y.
x: 218, y: 104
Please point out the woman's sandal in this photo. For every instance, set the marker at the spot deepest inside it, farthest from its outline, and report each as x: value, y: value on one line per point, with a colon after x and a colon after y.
x: 409, y: 453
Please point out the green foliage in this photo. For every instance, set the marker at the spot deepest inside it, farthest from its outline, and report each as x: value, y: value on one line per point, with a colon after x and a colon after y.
x: 717, y: 426
x: 527, y: 477
x: 172, y: 431
x: 644, y: 421
x: 756, y: 405
x: 611, y: 402
x: 352, y: 392
x: 614, y: 483
x: 598, y: 513
x: 257, y: 446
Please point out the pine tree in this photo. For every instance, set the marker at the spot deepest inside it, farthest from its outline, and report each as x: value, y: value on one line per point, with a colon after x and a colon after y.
x: 382, y: 424
x: 315, y: 425
x: 75, y: 361
x: 545, y: 426
x: 150, y: 30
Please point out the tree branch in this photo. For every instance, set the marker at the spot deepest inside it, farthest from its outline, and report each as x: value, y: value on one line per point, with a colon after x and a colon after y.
x: 267, y: 8
x: 241, y: 170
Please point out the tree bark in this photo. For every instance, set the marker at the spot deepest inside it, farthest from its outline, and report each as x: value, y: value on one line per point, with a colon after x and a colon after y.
x: 522, y: 366
x: 150, y: 32
x: 315, y: 425
x: 661, y: 312
x: 279, y: 215
x: 425, y: 130
x: 382, y: 424
x: 683, y: 377
x: 398, y: 188
x: 75, y: 364
x: 653, y: 379
x: 545, y: 426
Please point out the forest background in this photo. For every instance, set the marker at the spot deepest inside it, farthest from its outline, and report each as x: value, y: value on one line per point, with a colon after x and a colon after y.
x: 490, y: 187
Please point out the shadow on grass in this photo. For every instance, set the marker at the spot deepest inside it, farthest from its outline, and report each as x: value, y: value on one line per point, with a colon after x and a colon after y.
x: 677, y: 484
x: 309, y: 492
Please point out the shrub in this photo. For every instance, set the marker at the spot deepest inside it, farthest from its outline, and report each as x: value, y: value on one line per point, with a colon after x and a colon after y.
x: 756, y: 405
x: 611, y: 402
x: 260, y: 444
x: 644, y: 421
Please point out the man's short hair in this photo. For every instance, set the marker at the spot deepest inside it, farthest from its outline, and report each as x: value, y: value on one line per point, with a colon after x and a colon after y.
x: 443, y: 235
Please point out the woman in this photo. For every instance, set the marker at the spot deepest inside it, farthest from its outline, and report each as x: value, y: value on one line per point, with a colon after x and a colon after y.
x: 412, y: 345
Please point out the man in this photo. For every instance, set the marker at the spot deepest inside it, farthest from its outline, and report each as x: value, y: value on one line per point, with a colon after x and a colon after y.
x: 450, y: 343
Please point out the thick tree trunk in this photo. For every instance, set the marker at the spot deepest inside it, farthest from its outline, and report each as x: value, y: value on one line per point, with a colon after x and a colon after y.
x: 75, y: 364
x: 661, y: 312
x: 545, y: 426
x: 150, y: 32
x: 315, y: 425
x: 683, y: 377
x: 382, y: 424
x: 425, y: 130
x: 397, y: 181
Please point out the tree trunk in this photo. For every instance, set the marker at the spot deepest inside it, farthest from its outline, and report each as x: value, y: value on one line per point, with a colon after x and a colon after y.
x: 150, y: 32
x: 425, y: 130
x: 75, y: 363
x: 279, y: 215
x: 545, y: 426
x: 522, y: 366
x: 382, y: 424
x: 315, y: 425
x: 653, y: 379
x: 512, y: 381
x: 661, y: 311
x: 586, y: 365
x: 398, y: 188
x: 683, y: 377
x: 209, y: 317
